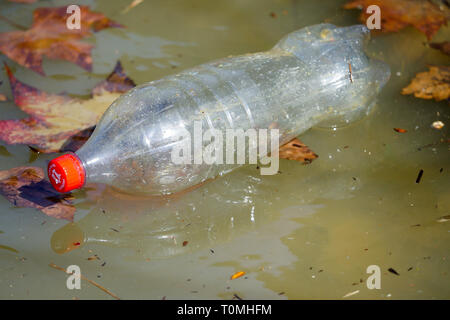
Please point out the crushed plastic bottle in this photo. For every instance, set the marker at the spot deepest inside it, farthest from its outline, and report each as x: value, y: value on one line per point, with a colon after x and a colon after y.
x: 316, y: 76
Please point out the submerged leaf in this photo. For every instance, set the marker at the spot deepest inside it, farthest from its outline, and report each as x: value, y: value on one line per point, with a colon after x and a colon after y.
x: 298, y: 151
x: 444, y: 47
x: 398, y: 14
x: 26, y: 187
x: 49, y: 36
x: 434, y: 84
x: 58, y: 122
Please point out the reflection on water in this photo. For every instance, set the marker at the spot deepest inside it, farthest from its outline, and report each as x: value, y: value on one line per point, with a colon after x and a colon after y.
x: 307, y: 232
x: 165, y: 226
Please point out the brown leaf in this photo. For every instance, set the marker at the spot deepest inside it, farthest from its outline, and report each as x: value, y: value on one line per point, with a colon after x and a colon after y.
x: 49, y: 36
x: 443, y: 46
x: 76, y: 141
x: 434, y: 84
x: 298, y: 151
x: 58, y: 122
x: 26, y: 187
x: 117, y: 81
x: 398, y: 14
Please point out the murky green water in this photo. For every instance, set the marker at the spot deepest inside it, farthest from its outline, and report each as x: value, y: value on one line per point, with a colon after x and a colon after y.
x: 308, y: 232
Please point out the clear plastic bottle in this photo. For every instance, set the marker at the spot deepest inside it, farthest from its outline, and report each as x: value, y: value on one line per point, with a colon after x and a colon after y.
x: 318, y: 75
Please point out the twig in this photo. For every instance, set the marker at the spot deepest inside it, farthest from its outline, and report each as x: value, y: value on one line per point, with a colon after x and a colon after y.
x: 132, y: 5
x: 86, y: 279
x: 350, y: 72
x: 18, y: 26
x: 419, y: 176
x: 433, y: 144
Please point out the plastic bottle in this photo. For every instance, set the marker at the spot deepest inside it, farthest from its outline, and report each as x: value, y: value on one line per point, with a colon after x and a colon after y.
x: 318, y: 75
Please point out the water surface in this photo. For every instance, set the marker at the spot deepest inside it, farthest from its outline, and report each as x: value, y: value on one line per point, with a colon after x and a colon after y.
x: 308, y: 232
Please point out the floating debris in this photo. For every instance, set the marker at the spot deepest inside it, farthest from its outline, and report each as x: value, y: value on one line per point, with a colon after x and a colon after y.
x: 235, y: 296
x: 94, y: 257
x: 438, y: 125
x: 419, y: 176
x: 237, y: 275
x: 392, y: 270
x: 351, y: 294
x: 350, y: 72
x: 433, y: 144
x: 131, y: 6
x: 52, y: 265
x: 444, y: 219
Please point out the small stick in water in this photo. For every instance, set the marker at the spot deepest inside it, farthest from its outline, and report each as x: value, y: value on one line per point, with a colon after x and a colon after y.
x: 88, y: 280
x: 419, y: 176
x: 350, y: 72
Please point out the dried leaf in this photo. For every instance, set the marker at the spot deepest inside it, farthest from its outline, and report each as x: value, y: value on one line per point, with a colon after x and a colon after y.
x: 58, y: 122
x: 237, y: 275
x: 26, y: 187
x: 443, y: 46
x: 50, y: 37
x: 434, y: 84
x: 398, y: 14
x: 298, y: 151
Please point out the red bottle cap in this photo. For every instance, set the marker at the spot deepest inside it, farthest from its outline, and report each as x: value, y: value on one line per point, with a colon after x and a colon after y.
x: 66, y: 173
